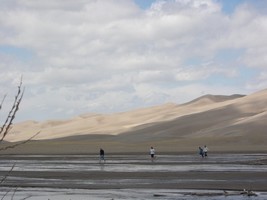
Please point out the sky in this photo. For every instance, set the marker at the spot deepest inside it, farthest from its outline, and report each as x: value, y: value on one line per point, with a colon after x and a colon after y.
x: 109, y: 56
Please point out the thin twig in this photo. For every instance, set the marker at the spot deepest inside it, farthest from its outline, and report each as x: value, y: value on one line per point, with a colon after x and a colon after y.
x: 7, y: 174
x: 6, y: 194
x: 14, y: 193
x: 18, y: 144
x: 2, y: 101
x: 29, y: 196
x: 12, y: 113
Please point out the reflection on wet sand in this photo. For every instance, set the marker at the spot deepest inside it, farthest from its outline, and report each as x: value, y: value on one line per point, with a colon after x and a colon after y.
x: 134, y: 176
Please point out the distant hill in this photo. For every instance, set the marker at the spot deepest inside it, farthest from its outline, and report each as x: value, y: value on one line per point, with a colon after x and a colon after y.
x: 207, y: 99
x: 224, y: 123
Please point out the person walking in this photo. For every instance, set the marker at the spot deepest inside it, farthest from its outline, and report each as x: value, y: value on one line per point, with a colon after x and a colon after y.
x: 101, y: 155
x: 205, y: 150
x: 201, y: 152
x: 152, y: 154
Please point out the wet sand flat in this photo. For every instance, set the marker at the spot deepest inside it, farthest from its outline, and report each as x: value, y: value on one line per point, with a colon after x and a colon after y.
x: 152, y: 180
x: 230, y: 172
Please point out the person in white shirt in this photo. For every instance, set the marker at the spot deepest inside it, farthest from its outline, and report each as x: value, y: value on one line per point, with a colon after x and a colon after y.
x: 152, y: 153
x: 205, y: 150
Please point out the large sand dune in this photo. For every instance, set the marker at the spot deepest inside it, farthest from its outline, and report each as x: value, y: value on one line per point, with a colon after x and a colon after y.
x: 225, y: 123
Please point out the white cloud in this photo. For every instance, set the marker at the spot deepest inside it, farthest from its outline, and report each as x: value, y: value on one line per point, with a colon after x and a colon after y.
x: 256, y: 57
x: 259, y: 83
x: 111, y: 55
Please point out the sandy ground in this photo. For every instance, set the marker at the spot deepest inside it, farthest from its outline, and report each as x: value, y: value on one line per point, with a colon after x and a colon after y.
x: 113, y: 174
x: 208, y: 180
x: 90, y: 145
x: 233, y: 119
x: 226, y: 126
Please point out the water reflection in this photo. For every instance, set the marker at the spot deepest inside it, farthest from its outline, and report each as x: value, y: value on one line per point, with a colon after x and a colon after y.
x: 133, y: 163
x: 102, y: 166
x: 130, y: 194
x: 70, y: 165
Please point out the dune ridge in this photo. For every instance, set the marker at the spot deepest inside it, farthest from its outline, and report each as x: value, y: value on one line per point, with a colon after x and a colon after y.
x: 113, y: 124
x: 214, y: 119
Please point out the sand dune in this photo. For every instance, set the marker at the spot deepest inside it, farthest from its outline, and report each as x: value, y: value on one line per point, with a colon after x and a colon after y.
x: 217, y: 120
x: 108, y: 124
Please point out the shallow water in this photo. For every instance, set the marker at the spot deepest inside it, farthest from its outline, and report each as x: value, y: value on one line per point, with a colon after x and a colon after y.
x: 120, y: 163
x: 133, y: 163
x: 130, y: 194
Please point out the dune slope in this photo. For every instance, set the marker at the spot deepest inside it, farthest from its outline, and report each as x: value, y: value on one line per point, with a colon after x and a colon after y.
x: 223, y: 122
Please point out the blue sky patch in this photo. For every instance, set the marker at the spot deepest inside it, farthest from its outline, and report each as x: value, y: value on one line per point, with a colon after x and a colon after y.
x: 20, y: 53
x: 144, y: 4
x: 229, y: 55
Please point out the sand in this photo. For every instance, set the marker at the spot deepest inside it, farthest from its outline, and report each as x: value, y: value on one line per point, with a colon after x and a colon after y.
x: 209, y: 115
x: 131, y: 171
x: 226, y: 125
x: 224, y: 181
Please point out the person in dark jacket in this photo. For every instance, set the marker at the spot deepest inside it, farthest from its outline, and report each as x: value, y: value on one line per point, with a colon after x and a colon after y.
x: 201, y: 152
x: 102, y: 155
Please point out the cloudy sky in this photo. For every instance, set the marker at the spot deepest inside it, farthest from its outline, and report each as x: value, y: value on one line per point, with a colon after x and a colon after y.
x: 105, y: 56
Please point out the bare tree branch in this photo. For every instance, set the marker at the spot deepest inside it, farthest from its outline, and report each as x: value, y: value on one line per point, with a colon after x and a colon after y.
x: 2, y: 101
x: 14, y: 193
x: 29, y: 196
x: 18, y: 144
x: 5, y: 177
x: 5, y: 194
x: 4, y: 129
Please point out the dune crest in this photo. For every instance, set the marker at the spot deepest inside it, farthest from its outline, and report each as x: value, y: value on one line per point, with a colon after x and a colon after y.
x: 223, y: 118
